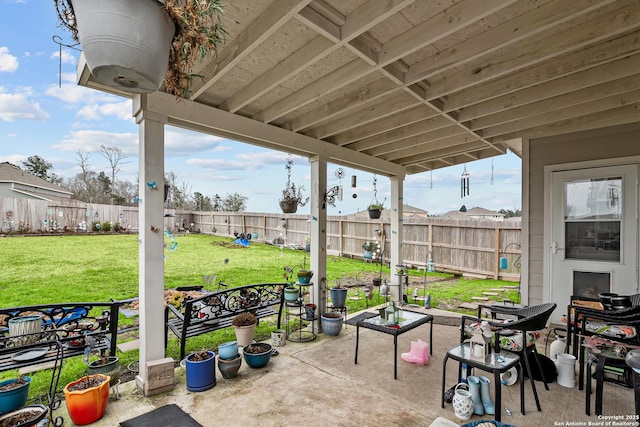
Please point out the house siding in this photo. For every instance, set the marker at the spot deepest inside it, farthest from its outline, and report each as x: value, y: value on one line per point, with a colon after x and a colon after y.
x: 600, y: 144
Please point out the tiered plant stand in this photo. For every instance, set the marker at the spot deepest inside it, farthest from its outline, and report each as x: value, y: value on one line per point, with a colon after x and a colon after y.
x: 296, y: 309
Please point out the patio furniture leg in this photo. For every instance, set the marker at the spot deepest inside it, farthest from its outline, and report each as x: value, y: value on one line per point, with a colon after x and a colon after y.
x: 395, y: 357
x: 533, y: 384
x: 497, y: 386
x: 357, y: 342
x: 444, y: 375
x: 519, y: 370
x: 431, y: 337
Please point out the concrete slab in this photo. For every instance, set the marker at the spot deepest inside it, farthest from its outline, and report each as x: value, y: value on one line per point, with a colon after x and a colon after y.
x: 491, y: 294
x: 129, y: 345
x: 480, y: 298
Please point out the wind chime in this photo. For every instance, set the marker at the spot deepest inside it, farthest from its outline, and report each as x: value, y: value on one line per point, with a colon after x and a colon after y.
x: 464, y: 183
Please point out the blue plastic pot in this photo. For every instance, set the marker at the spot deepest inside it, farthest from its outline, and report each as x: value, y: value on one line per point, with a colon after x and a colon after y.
x: 228, y: 350
x: 201, y: 375
x: 13, y: 399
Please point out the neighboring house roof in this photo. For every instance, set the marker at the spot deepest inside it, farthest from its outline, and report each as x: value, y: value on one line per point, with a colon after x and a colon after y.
x: 476, y: 212
x: 407, y: 210
x: 25, y: 184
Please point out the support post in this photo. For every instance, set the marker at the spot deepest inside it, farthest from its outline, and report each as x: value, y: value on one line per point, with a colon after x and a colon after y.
x: 318, y: 230
x: 397, y: 256
x: 151, y: 238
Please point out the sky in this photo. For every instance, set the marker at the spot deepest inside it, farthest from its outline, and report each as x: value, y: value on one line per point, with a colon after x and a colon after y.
x: 44, y: 112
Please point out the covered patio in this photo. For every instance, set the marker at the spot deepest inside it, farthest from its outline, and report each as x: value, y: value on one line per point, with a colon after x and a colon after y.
x: 403, y: 87
x: 318, y: 384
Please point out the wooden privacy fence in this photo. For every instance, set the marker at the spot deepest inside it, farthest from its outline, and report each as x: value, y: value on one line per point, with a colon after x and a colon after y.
x: 464, y: 246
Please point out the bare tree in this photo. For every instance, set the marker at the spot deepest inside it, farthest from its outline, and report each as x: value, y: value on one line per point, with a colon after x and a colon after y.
x: 115, y: 156
x: 179, y: 194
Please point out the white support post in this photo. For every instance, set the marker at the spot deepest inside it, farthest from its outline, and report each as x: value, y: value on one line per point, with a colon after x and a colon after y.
x: 151, y: 239
x: 397, y: 196
x: 318, y: 227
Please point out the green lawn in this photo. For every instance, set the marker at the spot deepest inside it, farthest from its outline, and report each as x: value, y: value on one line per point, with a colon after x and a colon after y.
x: 77, y: 268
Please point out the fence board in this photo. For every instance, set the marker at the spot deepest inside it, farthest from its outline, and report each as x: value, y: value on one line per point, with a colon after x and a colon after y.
x: 464, y: 246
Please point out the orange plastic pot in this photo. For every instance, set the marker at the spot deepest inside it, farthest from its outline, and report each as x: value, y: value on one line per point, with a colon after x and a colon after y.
x: 88, y: 405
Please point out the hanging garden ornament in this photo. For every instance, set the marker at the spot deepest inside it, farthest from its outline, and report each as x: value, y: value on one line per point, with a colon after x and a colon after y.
x: 170, y: 243
x: 464, y: 183
x: 492, y: 180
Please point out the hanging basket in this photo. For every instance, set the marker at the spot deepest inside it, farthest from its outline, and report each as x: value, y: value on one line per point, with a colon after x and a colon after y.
x: 288, y: 206
x: 125, y: 42
x: 375, y: 213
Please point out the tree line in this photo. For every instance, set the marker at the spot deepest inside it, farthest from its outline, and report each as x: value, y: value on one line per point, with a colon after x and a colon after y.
x: 102, y: 187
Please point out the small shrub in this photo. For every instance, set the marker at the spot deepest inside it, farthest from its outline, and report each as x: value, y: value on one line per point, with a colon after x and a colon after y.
x: 116, y: 226
x: 96, y: 226
x: 106, y: 226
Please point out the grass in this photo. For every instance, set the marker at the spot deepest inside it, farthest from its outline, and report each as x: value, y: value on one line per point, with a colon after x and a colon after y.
x: 77, y: 268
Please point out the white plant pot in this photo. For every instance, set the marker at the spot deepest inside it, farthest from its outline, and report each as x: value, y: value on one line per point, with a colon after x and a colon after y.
x: 125, y: 42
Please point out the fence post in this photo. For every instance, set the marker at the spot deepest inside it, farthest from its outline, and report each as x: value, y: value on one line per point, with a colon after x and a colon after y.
x: 496, y: 261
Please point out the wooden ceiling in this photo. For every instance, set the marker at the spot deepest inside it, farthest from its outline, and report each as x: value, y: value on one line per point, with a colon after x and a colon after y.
x: 422, y: 84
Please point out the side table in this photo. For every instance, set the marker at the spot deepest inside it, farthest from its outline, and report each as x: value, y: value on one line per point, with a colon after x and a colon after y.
x: 606, y: 357
x: 496, y: 363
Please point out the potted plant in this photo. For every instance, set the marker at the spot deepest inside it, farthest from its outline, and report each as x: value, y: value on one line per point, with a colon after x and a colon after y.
x: 104, y: 363
x: 375, y: 210
x: 26, y: 416
x: 331, y: 323
x: 338, y: 296
x: 291, y: 293
x: 292, y: 193
x: 244, y: 325
x: 87, y: 398
x: 257, y: 355
x: 200, y: 370
x: 13, y: 393
x: 133, y: 45
x: 375, y: 207
x: 304, y: 276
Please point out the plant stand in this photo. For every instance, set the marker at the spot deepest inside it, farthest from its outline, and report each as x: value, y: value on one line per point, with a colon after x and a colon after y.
x: 296, y: 309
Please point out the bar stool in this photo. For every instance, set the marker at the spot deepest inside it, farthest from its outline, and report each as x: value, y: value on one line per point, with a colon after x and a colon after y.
x: 604, y: 358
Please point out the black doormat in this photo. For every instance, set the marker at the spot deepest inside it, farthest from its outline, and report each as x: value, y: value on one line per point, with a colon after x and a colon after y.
x: 165, y: 416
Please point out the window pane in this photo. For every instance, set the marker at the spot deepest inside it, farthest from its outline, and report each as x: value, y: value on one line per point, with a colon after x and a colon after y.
x: 593, y: 199
x: 593, y: 240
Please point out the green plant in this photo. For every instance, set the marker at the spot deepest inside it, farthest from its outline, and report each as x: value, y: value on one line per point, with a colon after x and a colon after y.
x: 375, y: 206
x: 116, y: 226
x: 292, y: 193
x: 244, y: 319
x: 199, y: 34
x: 367, y: 246
x: 96, y: 226
x: 106, y: 226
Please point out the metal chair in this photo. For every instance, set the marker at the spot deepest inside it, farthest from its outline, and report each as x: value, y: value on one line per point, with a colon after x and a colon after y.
x: 526, y: 319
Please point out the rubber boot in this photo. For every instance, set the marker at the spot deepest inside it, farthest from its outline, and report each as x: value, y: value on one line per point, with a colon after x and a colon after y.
x: 419, y: 353
x: 485, y: 393
x: 474, y: 389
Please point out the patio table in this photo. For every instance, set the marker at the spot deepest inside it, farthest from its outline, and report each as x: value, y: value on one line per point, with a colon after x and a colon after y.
x: 496, y: 363
x: 408, y: 320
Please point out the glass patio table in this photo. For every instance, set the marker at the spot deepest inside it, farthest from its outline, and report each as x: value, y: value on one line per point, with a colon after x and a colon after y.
x: 408, y: 320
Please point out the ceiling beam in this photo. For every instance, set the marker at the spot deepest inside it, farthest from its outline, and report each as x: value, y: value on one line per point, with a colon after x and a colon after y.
x: 532, y: 52
x: 240, y: 128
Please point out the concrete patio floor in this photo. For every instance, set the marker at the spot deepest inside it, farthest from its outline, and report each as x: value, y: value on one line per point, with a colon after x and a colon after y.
x: 318, y: 384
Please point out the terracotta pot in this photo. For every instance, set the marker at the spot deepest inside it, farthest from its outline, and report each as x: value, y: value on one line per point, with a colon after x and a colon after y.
x: 88, y: 405
x: 244, y: 334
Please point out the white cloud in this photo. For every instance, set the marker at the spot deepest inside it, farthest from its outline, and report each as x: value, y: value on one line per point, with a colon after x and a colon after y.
x: 70, y: 92
x: 90, y: 141
x: 8, y: 62
x: 225, y: 164
x: 180, y: 142
x: 67, y: 58
x: 121, y: 110
x: 18, y: 106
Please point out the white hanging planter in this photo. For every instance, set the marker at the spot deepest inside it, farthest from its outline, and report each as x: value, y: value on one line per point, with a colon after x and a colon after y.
x: 125, y: 42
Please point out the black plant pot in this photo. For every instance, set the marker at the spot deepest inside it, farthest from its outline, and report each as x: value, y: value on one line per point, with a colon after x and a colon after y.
x: 288, y: 206
x: 375, y: 213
